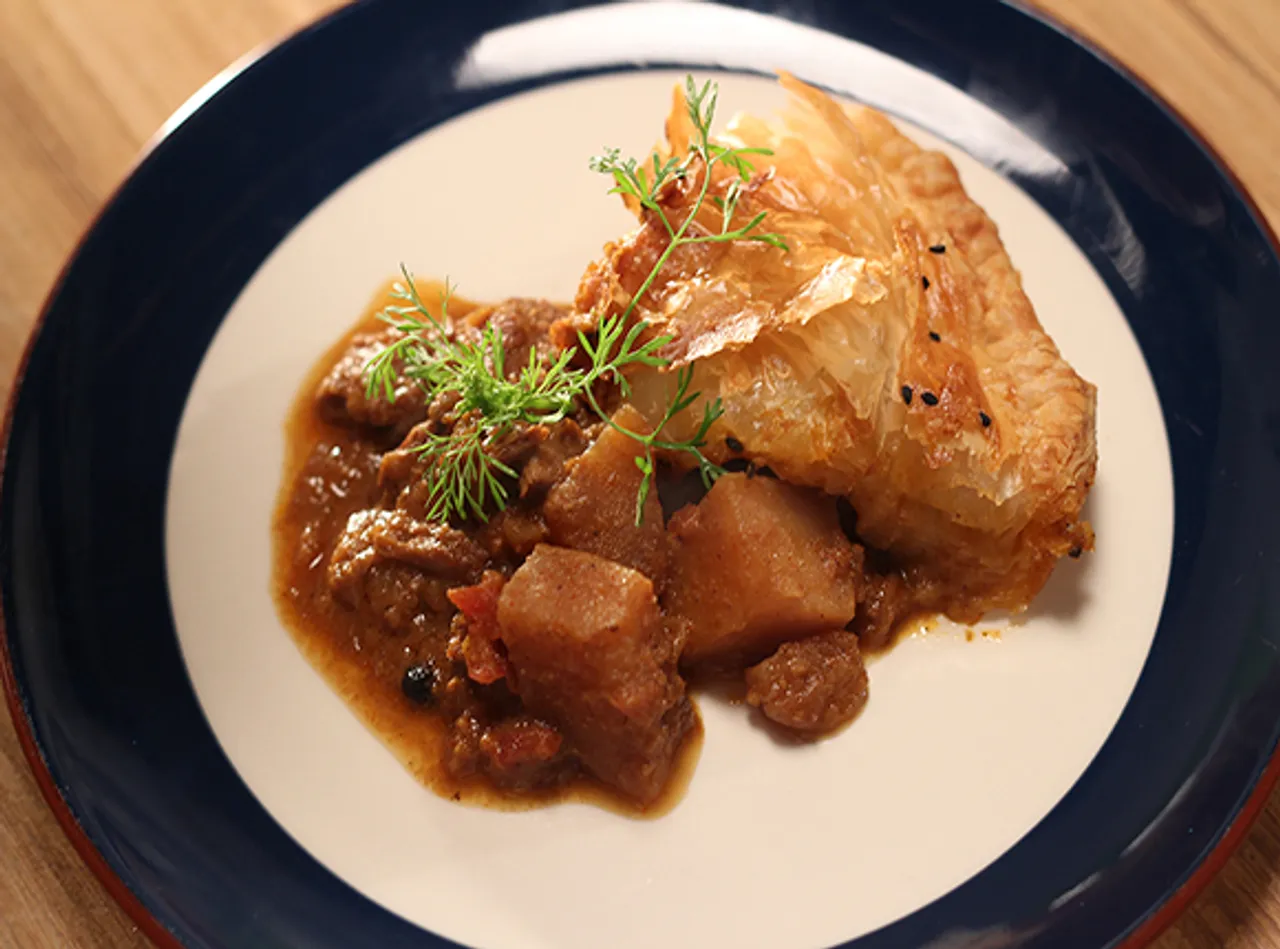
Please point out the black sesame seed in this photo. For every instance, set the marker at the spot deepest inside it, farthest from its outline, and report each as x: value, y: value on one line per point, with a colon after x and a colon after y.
x: 733, y: 444
x: 1075, y: 552
x: 929, y: 398
x: 925, y: 281
x: 906, y: 394
x: 935, y: 337
x: 418, y: 682
x: 985, y: 419
x: 938, y: 249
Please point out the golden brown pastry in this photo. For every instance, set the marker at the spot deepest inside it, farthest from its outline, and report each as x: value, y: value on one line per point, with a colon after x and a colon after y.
x: 890, y: 355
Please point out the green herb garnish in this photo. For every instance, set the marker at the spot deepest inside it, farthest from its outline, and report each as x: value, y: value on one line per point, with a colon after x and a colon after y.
x: 463, y: 475
x: 633, y: 179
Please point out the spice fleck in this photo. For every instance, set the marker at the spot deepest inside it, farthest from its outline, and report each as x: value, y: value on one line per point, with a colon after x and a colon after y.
x: 935, y: 337
x: 985, y: 419
x: 906, y: 394
x: 929, y: 398
x: 938, y: 249
x: 925, y: 281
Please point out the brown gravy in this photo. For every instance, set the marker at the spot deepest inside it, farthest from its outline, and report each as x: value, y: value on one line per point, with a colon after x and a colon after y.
x: 330, y: 472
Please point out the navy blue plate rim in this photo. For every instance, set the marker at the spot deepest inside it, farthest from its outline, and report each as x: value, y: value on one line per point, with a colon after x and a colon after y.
x: 1229, y: 835
x: 1256, y: 798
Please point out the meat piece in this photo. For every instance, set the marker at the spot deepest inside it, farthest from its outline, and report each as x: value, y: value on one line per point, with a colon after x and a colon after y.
x: 511, y: 534
x: 403, y: 465
x: 337, y: 478
x: 589, y: 652
x: 374, y: 537
x: 564, y: 441
x: 403, y: 599
x: 594, y: 507
x: 523, y: 324
x: 402, y: 472
x: 342, y: 395
x: 757, y: 563
x: 479, y: 647
x: 883, y: 601
x: 887, y: 596
x: 517, y: 753
x: 814, y: 685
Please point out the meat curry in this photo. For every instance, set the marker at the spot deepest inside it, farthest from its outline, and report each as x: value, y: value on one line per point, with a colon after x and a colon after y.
x: 545, y: 651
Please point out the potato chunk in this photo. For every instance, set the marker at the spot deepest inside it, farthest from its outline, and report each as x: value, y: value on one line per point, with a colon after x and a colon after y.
x: 593, y: 508
x: 589, y: 653
x: 755, y: 564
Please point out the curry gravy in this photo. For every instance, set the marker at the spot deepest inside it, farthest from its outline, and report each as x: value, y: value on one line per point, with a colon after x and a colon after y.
x: 330, y: 472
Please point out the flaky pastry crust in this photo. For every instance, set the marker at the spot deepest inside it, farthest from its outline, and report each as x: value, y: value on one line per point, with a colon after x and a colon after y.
x: 890, y: 355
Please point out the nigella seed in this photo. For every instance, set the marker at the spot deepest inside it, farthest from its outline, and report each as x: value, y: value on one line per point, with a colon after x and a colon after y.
x: 733, y: 444
x: 985, y: 419
x: 1075, y: 552
x: 929, y: 398
x: 925, y: 282
x: 418, y: 682
x: 938, y: 249
x: 906, y: 394
x: 935, y: 337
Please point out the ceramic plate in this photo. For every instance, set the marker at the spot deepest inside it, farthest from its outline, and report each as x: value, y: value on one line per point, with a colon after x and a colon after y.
x: 1066, y: 778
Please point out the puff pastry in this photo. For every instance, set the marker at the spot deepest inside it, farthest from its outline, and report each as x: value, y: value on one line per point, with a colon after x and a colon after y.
x: 889, y: 356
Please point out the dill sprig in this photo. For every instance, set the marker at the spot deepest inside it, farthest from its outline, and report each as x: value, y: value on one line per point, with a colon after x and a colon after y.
x: 463, y: 475
x: 430, y: 354
x: 607, y: 335
x: 631, y: 178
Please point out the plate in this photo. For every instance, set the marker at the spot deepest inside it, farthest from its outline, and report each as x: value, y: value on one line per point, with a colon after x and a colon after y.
x: 1068, y: 778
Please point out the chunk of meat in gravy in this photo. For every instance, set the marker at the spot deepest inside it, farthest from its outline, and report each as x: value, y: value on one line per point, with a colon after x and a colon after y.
x: 886, y: 598
x: 517, y: 753
x: 590, y: 654
x: 519, y: 750
x: 755, y: 564
x: 883, y: 600
x: 538, y: 452
x: 403, y: 599
x: 564, y: 441
x: 593, y: 508
x: 396, y: 565
x: 511, y: 534
x: 523, y: 323
x: 342, y: 396
x: 814, y: 685
x: 338, y: 477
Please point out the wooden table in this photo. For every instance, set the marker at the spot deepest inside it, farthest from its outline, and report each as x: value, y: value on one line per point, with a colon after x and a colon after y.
x: 84, y: 83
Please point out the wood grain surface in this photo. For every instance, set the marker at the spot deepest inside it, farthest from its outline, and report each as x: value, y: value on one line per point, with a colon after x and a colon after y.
x: 85, y: 83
